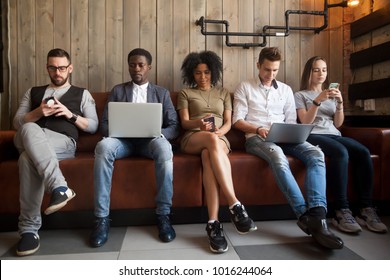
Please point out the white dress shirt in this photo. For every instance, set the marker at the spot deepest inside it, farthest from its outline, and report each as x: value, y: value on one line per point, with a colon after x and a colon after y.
x: 263, y: 106
x: 140, y: 93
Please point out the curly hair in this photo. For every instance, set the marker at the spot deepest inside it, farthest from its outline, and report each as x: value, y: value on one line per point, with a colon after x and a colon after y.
x: 192, y: 60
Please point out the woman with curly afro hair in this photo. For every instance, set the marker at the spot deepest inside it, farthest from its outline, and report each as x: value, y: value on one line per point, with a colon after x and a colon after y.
x: 205, y: 110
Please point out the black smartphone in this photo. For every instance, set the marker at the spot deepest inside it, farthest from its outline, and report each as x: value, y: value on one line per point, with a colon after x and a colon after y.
x: 212, y: 120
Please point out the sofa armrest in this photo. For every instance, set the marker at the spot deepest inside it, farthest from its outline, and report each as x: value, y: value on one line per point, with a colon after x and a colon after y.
x: 377, y: 140
x: 7, y: 148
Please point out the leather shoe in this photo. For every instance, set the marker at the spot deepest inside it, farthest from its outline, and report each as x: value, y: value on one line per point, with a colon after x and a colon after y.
x: 99, y: 235
x: 166, y: 233
x: 318, y: 229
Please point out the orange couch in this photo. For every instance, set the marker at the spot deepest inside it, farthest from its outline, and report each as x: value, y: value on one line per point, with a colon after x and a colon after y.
x: 133, y: 184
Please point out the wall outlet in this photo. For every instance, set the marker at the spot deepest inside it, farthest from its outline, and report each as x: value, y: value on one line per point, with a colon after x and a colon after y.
x: 369, y: 105
x: 359, y: 103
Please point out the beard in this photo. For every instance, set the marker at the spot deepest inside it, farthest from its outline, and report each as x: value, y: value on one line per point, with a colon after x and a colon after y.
x: 59, y: 82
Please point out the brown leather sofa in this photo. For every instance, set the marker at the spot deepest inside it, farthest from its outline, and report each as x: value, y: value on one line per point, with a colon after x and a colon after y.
x: 133, y: 184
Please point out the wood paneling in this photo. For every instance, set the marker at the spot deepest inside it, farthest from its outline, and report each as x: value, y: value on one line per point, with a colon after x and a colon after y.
x: 97, y: 45
x: 371, y: 89
x: 373, y: 21
x: 369, y: 56
x: 100, y: 33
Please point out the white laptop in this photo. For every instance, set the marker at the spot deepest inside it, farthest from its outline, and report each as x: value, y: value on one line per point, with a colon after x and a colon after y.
x: 289, y: 133
x: 134, y: 120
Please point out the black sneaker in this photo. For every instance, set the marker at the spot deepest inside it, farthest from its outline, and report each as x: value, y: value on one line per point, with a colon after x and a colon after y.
x: 28, y: 244
x: 241, y: 220
x: 58, y: 200
x: 166, y: 232
x: 217, y: 239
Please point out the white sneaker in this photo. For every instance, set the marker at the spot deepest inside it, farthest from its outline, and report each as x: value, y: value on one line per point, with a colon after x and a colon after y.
x: 369, y: 218
x: 344, y: 221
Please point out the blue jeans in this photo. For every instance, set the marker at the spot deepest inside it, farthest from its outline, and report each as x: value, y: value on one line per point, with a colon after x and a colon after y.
x: 109, y: 149
x: 311, y: 156
x: 341, y: 151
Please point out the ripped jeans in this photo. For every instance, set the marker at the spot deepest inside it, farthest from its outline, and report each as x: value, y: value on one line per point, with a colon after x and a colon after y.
x: 311, y: 156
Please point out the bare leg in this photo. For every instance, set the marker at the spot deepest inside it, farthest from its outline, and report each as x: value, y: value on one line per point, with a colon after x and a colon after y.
x: 218, y: 163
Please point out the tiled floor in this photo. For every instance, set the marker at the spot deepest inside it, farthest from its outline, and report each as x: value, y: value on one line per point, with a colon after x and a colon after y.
x: 274, y: 240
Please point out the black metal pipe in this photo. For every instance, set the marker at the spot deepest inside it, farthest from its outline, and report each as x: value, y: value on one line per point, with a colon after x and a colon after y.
x: 202, y: 22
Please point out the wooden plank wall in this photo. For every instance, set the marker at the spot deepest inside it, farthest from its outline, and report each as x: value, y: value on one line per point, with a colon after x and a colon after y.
x: 377, y: 106
x: 100, y: 33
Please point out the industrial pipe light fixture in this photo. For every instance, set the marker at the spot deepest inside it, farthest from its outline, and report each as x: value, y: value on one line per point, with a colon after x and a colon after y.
x: 345, y: 3
x: 272, y: 31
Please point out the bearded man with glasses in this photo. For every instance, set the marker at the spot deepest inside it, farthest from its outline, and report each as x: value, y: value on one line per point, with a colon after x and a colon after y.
x: 48, y: 121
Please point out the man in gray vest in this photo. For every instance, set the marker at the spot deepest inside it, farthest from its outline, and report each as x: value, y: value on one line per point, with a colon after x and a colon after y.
x: 48, y: 121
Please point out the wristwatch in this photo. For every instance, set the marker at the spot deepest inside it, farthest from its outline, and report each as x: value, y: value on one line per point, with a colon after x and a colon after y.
x: 316, y: 103
x: 73, y: 119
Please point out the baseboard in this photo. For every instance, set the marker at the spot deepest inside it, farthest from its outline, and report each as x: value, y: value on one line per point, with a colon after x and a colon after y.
x: 185, y: 215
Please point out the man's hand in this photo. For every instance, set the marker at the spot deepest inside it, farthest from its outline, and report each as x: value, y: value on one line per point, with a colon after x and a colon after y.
x: 262, y: 132
x: 57, y: 109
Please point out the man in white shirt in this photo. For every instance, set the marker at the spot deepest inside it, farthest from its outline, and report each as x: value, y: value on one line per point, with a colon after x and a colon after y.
x: 109, y: 149
x: 258, y: 103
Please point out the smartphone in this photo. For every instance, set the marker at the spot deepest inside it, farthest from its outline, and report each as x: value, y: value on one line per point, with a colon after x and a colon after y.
x: 334, y: 85
x: 212, y: 120
x: 49, y: 101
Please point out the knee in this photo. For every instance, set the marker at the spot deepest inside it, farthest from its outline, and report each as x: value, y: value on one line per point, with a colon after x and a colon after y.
x: 365, y: 153
x: 28, y: 129
x: 317, y: 153
x: 343, y: 155
x: 213, y: 141
x: 103, y: 147
x: 161, y: 149
x: 316, y: 156
x: 281, y: 163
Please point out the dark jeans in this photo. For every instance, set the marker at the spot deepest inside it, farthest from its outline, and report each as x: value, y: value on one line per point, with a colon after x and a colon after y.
x: 341, y: 151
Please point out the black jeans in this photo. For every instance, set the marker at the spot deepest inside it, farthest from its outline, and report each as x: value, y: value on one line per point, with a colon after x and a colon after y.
x: 339, y: 152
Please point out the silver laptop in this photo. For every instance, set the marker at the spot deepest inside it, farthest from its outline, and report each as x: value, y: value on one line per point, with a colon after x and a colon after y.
x: 289, y: 133
x: 134, y: 120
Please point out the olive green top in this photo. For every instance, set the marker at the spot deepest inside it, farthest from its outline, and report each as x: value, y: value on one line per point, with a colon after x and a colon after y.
x: 201, y: 103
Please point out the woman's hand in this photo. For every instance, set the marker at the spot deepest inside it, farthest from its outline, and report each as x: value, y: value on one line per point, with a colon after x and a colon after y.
x: 334, y: 93
x: 206, y: 125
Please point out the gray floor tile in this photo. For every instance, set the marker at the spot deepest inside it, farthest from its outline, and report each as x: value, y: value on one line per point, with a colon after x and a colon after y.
x: 274, y: 240
x: 62, y: 242
x: 200, y: 253
x: 294, y: 251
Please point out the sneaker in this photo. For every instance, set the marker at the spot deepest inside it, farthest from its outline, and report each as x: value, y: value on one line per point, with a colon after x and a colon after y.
x: 216, y: 236
x: 369, y: 218
x: 344, y: 221
x: 58, y: 200
x: 241, y: 220
x: 28, y: 244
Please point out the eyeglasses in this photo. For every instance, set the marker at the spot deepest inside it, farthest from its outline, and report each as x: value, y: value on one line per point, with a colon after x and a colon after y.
x: 59, y: 68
